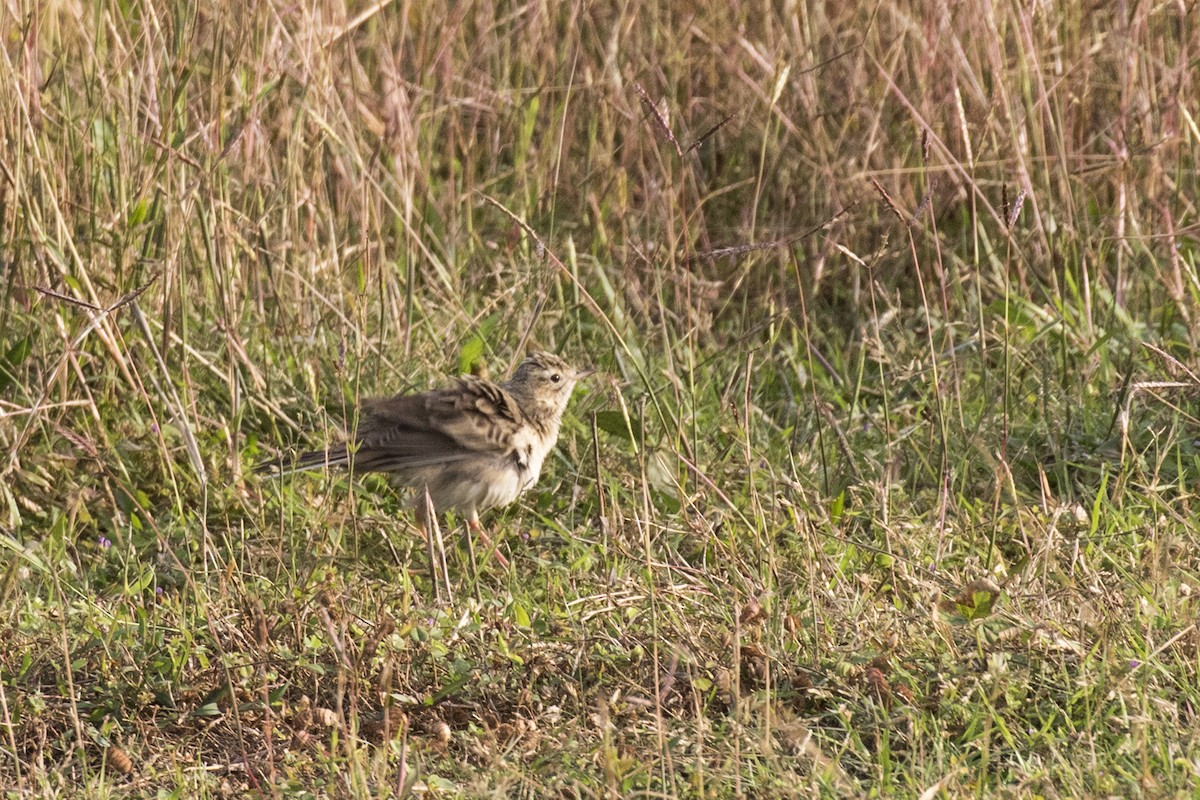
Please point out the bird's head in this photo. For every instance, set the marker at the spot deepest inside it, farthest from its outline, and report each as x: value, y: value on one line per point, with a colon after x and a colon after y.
x: 543, y: 384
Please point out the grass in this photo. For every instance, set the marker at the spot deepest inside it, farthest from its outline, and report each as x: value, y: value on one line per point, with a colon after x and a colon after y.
x: 887, y: 486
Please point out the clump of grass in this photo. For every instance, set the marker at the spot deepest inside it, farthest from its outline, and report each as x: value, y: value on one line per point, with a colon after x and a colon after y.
x: 886, y: 488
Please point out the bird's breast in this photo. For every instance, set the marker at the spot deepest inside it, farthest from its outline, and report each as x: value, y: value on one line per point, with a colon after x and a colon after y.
x: 529, y: 453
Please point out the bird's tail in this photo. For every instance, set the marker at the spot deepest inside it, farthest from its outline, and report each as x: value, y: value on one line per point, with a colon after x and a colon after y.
x: 337, y: 456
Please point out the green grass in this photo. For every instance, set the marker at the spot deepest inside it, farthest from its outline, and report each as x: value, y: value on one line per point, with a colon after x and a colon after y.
x: 887, y: 486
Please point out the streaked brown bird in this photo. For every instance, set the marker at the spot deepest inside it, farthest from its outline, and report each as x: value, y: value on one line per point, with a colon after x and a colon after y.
x: 473, y: 444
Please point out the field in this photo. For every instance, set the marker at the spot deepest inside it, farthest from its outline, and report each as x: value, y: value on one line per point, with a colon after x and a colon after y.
x: 887, y: 484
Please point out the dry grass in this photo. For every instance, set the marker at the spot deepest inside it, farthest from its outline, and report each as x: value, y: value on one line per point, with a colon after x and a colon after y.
x: 888, y: 487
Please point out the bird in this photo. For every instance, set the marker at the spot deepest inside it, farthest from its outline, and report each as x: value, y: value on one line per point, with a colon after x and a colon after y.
x: 472, y: 444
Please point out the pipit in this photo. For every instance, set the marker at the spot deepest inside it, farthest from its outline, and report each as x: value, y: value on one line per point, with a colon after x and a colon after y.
x: 472, y: 445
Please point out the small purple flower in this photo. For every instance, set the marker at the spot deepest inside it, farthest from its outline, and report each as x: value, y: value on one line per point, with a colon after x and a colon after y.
x: 105, y: 542
x: 158, y: 590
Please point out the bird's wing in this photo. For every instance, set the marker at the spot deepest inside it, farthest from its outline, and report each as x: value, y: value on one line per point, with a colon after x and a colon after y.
x: 469, y: 418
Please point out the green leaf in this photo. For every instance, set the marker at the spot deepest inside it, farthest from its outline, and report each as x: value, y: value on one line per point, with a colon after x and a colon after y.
x: 837, y: 507
x: 440, y: 784
x: 140, y: 585
x: 521, y: 616
x: 138, y: 213
x: 13, y: 359
x: 619, y: 425
x: 470, y: 352
x: 472, y: 349
x: 979, y: 607
x: 19, y: 351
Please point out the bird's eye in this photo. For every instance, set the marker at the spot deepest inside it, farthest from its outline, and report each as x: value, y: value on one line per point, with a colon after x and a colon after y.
x: 555, y: 377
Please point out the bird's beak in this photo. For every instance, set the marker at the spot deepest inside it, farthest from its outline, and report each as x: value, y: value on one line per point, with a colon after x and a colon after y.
x: 584, y: 373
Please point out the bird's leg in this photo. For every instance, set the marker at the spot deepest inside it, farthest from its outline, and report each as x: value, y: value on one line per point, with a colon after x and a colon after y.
x: 475, y: 526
